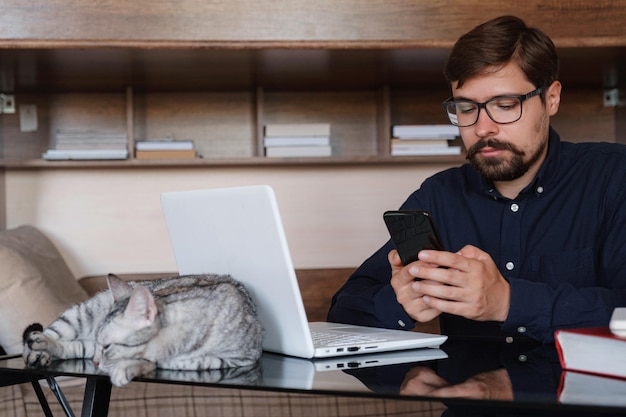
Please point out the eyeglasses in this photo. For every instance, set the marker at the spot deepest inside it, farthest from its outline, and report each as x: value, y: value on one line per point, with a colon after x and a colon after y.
x: 500, y: 109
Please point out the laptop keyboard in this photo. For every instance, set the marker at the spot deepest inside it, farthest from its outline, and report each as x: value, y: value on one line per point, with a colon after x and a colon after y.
x: 342, y: 339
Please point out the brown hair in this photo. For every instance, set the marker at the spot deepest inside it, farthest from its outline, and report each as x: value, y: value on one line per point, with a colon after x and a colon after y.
x: 496, y: 43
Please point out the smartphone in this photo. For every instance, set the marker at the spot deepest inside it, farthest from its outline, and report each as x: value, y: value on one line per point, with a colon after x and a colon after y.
x: 411, y: 231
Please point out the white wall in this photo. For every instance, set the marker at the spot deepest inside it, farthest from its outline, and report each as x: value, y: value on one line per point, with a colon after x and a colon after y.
x: 110, y: 220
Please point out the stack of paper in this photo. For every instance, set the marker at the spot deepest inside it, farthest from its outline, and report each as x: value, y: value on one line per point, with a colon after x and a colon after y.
x: 297, y: 140
x: 424, y: 140
x: 87, y: 144
x: 165, y: 149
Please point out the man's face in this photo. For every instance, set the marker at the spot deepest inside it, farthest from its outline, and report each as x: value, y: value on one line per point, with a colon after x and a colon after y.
x: 507, y: 152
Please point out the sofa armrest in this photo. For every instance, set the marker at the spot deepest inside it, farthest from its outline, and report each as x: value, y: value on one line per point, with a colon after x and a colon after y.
x: 316, y: 285
x: 95, y: 283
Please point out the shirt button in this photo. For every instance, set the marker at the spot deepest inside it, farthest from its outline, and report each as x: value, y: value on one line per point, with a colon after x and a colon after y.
x: 509, y: 339
x: 401, y: 323
x: 509, y: 266
x: 514, y: 208
x: 522, y: 358
x: 539, y: 189
x: 521, y: 329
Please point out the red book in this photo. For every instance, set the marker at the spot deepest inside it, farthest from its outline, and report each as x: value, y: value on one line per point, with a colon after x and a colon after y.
x: 593, y: 350
x: 587, y: 389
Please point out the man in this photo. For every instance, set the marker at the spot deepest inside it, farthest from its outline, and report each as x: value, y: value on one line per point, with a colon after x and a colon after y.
x: 535, y: 228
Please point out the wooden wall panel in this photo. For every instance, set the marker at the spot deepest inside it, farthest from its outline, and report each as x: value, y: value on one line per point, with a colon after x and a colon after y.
x: 439, y: 22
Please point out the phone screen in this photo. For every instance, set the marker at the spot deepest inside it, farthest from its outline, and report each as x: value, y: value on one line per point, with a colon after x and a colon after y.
x: 411, y: 231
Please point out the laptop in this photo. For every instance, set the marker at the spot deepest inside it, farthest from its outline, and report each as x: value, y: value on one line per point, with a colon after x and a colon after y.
x: 370, y: 360
x: 238, y: 231
x: 297, y: 373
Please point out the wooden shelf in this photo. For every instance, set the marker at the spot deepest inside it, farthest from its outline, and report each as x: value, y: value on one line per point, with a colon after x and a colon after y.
x: 253, y: 161
x: 219, y: 83
x: 104, y: 68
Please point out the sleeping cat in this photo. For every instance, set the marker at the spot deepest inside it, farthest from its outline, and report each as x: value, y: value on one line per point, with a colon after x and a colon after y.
x: 189, y: 322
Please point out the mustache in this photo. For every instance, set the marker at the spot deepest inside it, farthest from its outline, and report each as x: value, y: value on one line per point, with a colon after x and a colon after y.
x: 492, y: 143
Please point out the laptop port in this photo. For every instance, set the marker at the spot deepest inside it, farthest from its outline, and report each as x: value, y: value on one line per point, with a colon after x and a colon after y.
x: 353, y: 349
x: 339, y: 349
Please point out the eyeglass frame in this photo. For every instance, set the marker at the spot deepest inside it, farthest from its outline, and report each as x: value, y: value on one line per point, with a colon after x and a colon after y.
x: 522, y: 98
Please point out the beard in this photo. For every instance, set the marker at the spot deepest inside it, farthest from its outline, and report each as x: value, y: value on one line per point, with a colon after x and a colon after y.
x: 501, y: 168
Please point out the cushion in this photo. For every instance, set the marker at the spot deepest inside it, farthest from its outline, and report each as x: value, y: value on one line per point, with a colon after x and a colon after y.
x: 36, y: 285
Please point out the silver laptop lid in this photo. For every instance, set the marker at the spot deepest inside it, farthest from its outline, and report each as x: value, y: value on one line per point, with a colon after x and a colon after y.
x: 238, y: 231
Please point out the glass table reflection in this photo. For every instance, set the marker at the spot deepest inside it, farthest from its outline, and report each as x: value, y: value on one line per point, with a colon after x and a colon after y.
x: 470, y: 377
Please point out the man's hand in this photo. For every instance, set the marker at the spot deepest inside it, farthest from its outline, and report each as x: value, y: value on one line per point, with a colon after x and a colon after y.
x: 493, y: 385
x: 422, y: 380
x: 410, y: 299
x: 471, y: 286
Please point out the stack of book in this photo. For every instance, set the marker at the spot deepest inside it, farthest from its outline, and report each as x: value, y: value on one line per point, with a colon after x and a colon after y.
x: 297, y: 140
x: 585, y: 388
x: 87, y: 144
x: 424, y: 140
x: 165, y: 149
x: 593, y: 362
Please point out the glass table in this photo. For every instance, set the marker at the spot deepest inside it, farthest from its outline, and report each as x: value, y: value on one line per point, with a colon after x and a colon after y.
x: 470, y: 377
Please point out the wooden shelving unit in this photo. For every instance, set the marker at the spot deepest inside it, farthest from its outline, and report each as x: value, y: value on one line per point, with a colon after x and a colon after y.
x: 224, y: 113
x: 216, y: 73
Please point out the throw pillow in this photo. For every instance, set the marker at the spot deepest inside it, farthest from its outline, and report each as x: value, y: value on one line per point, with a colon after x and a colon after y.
x: 36, y: 285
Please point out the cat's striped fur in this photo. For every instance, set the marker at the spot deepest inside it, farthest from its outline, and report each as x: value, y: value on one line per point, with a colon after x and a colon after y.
x: 186, y: 322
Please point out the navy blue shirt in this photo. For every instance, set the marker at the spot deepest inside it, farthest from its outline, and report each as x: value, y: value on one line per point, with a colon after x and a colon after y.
x: 561, y: 245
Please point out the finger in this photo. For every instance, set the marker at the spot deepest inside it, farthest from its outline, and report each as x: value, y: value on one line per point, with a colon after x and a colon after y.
x: 456, y: 391
x: 472, y: 252
x: 445, y: 306
x: 421, y: 381
x: 427, y: 376
x: 437, y: 290
x: 427, y: 315
x: 400, y: 275
x: 433, y: 273
x: 394, y: 259
x: 445, y: 259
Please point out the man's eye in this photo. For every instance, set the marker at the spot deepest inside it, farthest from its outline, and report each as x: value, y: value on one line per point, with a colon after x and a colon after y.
x: 506, y: 104
x: 465, y: 108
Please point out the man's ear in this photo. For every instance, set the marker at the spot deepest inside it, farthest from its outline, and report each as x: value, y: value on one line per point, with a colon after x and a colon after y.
x: 553, y: 98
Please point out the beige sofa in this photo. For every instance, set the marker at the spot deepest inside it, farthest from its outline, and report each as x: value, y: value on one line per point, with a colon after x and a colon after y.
x: 36, y: 285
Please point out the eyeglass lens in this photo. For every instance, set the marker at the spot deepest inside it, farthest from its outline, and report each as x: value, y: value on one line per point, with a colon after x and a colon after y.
x: 500, y: 110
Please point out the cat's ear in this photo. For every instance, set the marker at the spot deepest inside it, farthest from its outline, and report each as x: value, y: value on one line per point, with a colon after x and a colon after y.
x: 119, y: 288
x: 142, y: 308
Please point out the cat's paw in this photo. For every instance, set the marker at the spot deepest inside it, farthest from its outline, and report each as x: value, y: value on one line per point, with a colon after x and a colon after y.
x: 120, y: 376
x: 123, y: 371
x: 35, y: 345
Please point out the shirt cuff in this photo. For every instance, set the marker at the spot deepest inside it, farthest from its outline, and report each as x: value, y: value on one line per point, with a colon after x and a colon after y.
x: 390, y: 312
x: 530, y: 309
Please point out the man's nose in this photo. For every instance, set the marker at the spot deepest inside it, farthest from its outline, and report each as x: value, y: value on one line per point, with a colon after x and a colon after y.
x: 484, y: 126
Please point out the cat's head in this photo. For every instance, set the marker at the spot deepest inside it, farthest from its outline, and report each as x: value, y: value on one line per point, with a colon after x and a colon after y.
x: 131, y: 323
